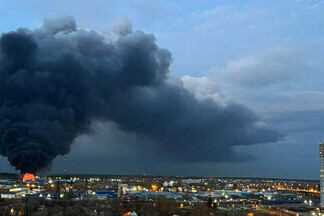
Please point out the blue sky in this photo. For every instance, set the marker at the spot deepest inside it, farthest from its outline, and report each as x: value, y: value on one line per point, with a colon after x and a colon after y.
x: 265, y: 55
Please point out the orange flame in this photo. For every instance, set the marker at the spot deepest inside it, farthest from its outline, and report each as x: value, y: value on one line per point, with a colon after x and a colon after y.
x: 29, y: 177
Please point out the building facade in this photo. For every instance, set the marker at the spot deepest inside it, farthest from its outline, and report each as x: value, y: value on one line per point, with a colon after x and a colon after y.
x: 321, y: 151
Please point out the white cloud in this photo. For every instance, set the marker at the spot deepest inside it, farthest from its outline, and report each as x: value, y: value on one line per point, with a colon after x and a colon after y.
x: 204, y: 88
x: 264, y: 69
x: 121, y: 27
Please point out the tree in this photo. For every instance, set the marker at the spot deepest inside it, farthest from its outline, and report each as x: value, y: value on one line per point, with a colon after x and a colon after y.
x: 209, y: 202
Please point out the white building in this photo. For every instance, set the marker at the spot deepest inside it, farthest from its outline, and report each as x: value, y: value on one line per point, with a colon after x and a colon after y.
x: 191, y: 181
x: 168, y: 184
x: 321, y: 151
x: 121, y: 189
x: 12, y: 193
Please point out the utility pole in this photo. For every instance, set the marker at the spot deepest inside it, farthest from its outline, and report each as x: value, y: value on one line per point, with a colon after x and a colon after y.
x: 86, y: 187
x: 58, y: 191
x: 26, y: 207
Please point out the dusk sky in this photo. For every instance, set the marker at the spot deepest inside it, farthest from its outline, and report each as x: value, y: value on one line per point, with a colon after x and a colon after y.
x: 266, y: 56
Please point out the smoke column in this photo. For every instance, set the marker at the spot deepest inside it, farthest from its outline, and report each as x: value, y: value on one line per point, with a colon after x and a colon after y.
x: 56, y: 80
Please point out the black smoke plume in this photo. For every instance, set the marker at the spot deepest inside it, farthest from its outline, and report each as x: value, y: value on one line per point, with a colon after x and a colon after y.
x: 56, y: 80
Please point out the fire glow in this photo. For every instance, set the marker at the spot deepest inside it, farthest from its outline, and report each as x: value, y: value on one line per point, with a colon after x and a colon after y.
x: 29, y: 177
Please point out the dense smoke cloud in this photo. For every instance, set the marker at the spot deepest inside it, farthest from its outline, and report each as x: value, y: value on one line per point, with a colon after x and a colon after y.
x: 56, y: 80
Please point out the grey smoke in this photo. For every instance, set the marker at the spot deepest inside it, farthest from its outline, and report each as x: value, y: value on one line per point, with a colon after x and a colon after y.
x: 56, y: 80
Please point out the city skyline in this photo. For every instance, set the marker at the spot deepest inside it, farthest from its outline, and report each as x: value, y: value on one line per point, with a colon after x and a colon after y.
x: 265, y: 57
